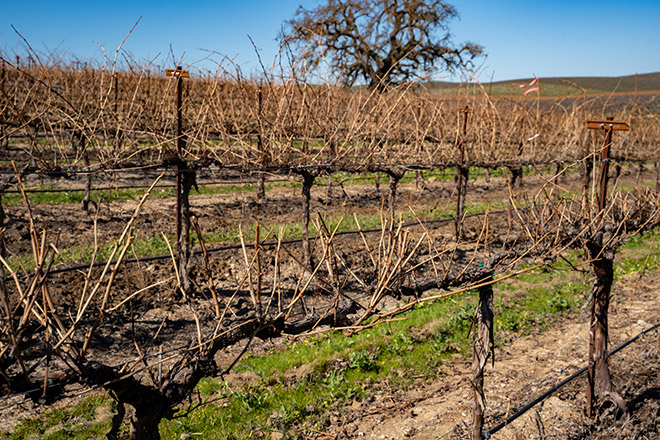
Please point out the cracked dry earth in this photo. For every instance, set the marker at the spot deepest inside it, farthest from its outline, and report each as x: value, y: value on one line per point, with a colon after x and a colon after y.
x: 523, y: 370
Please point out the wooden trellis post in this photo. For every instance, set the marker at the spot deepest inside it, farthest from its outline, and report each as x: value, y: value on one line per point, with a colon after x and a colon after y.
x: 4, y: 140
x: 184, y: 182
x: 598, y: 376
x: 118, y: 131
x: 462, y: 174
x: 609, y: 125
x: 261, y: 190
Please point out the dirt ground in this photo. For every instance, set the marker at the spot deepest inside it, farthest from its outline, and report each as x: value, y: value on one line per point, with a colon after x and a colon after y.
x: 525, y: 369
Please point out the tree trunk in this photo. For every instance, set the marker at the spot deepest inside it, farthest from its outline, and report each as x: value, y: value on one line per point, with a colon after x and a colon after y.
x: 144, y: 424
x: 88, y: 186
x: 117, y: 419
x: 119, y: 140
x: 328, y: 193
x: 151, y: 406
x: 640, y: 172
x: 558, y: 173
x: 480, y: 349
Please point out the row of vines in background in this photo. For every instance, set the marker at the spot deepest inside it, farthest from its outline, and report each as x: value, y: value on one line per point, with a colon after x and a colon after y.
x: 68, y: 115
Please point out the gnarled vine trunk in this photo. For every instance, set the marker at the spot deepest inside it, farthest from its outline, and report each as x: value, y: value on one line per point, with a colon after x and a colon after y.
x: 599, y: 380
x: 308, y: 181
x: 480, y: 348
x: 395, y: 177
x: 187, y: 181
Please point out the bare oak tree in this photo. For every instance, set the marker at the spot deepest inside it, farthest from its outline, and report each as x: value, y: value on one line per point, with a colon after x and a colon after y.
x: 381, y: 42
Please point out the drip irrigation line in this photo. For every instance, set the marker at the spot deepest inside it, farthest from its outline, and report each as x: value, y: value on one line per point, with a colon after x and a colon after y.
x: 264, y: 244
x: 550, y: 391
x: 23, y: 393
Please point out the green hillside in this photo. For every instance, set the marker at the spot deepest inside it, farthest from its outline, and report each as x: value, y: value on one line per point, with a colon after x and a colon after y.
x: 560, y: 86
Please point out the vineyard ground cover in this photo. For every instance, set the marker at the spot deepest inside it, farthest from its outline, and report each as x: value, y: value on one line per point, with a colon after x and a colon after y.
x: 407, y: 378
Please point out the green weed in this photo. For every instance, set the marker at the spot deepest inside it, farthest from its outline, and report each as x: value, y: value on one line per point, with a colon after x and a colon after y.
x: 89, y: 419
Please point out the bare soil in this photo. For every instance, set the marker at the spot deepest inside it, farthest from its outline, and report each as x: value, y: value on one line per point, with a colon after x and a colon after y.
x: 525, y: 369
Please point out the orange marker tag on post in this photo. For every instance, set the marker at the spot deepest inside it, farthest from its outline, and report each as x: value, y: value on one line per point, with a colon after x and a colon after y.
x: 608, y: 125
x: 177, y: 73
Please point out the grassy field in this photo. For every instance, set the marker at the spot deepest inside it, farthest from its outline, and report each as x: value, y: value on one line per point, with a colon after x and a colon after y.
x: 561, y: 86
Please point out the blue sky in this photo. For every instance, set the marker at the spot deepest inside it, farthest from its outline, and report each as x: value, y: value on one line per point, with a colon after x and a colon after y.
x: 521, y: 38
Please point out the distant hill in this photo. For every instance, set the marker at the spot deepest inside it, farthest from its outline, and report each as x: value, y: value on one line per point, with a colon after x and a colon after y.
x: 560, y: 86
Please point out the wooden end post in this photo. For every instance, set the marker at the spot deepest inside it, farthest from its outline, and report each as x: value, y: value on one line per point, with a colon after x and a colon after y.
x: 183, y: 185
x: 598, y: 378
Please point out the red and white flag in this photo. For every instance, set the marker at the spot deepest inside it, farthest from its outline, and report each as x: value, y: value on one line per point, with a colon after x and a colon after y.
x: 531, y: 89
